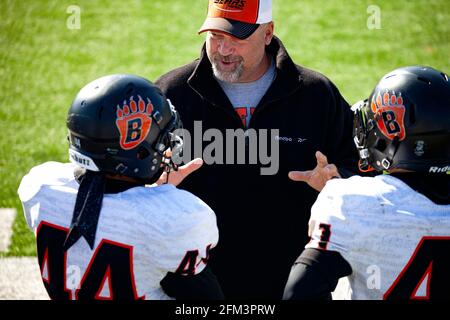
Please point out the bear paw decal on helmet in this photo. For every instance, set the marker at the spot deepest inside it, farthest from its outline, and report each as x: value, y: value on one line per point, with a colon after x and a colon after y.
x: 134, y: 122
x: 390, y: 112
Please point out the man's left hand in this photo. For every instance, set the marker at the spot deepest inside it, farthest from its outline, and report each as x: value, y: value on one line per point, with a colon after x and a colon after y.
x: 318, y: 177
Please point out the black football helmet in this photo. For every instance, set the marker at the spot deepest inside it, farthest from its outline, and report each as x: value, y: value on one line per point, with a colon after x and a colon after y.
x: 405, y: 123
x: 123, y: 124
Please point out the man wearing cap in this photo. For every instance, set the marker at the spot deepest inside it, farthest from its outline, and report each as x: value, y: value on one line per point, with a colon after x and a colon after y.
x: 245, y: 79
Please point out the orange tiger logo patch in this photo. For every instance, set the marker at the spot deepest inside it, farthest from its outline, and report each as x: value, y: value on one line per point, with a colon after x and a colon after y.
x: 390, y: 113
x: 134, y: 121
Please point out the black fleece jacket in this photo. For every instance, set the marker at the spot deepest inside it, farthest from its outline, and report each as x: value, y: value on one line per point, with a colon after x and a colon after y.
x: 262, y: 219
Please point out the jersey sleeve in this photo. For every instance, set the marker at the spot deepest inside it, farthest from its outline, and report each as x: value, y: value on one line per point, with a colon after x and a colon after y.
x: 189, y: 238
x: 345, y: 213
x: 49, y: 173
x: 52, y: 174
x: 329, y: 228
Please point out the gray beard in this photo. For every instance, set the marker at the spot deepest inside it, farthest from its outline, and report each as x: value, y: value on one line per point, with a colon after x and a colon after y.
x: 228, y: 76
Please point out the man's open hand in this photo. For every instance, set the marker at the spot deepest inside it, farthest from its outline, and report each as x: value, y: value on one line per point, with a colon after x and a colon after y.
x: 176, y: 177
x: 317, y: 177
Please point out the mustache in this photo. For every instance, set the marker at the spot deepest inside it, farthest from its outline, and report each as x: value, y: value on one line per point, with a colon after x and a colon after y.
x: 228, y: 59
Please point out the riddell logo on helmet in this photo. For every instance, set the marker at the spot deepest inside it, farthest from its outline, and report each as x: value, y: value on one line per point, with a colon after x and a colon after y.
x: 445, y: 169
x: 390, y: 113
x: 134, y: 121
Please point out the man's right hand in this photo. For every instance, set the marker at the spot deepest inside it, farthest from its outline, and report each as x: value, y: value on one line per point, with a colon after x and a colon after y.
x: 318, y: 177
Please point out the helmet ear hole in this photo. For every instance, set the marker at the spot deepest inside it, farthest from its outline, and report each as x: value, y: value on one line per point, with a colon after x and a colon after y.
x: 381, y: 145
x: 142, y: 153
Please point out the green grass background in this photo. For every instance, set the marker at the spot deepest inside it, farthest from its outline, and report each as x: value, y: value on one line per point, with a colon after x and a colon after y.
x: 43, y: 64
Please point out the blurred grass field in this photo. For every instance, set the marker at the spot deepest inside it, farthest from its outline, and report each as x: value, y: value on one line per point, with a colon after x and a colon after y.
x: 43, y: 64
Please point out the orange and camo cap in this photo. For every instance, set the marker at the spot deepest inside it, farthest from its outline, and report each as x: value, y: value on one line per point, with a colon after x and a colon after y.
x: 240, y: 18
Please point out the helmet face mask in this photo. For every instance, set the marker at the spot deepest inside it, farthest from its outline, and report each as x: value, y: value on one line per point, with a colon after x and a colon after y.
x: 404, y: 124
x: 122, y: 125
x: 361, y: 128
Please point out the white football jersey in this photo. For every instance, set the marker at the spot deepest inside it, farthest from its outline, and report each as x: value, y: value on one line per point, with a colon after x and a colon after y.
x: 155, y: 230
x: 394, y: 238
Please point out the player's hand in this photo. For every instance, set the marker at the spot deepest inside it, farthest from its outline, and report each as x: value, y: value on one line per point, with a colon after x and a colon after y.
x: 317, y: 177
x: 176, y: 177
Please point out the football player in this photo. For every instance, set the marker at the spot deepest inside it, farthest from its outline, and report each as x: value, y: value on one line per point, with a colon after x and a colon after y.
x: 101, y: 232
x: 389, y: 235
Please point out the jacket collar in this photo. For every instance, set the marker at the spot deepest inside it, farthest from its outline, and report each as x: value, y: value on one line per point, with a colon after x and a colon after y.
x: 287, y: 81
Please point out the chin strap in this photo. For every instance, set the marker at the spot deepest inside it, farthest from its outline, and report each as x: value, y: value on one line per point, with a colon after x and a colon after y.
x: 391, y: 150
